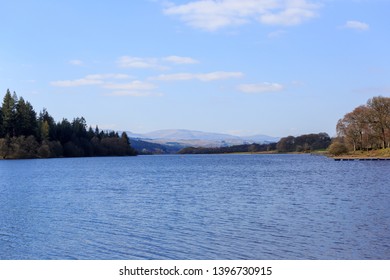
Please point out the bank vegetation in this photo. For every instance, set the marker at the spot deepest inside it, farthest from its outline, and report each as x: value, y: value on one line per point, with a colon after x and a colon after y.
x: 365, y: 130
x: 26, y: 134
x: 306, y: 143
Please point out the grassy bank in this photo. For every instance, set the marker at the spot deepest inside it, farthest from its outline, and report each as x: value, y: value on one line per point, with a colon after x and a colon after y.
x: 382, y: 153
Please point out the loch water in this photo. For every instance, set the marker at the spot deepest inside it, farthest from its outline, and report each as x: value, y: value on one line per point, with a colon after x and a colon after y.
x: 209, y: 207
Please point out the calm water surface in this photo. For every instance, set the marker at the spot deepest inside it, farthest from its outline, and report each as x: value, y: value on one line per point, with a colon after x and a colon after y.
x: 195, y: 207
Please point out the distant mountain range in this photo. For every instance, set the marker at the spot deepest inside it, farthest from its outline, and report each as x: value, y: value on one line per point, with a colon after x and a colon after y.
x: 180, y: 138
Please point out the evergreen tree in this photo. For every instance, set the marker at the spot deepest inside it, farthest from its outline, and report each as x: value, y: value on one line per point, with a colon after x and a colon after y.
x: 23, y: 135
x: 8, y: 111
x: 25, y: 119
x: 65, y: 131
x: 79, y: 127
x: 125, y: 138
x: 90, y: 133
x: 1, y: 123
x: 44, y: 116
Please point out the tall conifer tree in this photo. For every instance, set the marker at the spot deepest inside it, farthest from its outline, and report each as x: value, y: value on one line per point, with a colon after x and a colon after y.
x: 8, y: 111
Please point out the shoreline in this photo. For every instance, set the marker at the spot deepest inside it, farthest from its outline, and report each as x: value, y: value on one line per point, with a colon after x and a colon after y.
x: 353, y: 158
x: 382, y: 154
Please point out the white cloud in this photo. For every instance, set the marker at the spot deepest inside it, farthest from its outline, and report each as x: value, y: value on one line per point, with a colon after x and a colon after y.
x: 94, y: 79
x: 180, y: 59
x: 134, y: 85
x: 76, y: 83
x: 212, y: 15
x: 138, y: 62
x: 108, y: 76
x: 293, y: 13
x: 357, y: 25
x: 134, y: 93
x: 109, y: 81
x: 152, y: 62
x: 260, y: 88
x: 204, y: 77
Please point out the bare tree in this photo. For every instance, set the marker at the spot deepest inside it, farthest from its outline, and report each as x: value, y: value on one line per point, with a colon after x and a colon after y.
x: 367, y: 126
x: 379, y: 117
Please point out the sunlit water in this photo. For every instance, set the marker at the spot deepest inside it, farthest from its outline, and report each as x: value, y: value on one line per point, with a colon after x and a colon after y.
x: 195, y: 207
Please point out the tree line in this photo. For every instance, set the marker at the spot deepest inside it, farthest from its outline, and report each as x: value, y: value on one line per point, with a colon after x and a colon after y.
x: 367, y: 127
x: 304, y: 143
x: 246, y: 148
x: 26, y: 134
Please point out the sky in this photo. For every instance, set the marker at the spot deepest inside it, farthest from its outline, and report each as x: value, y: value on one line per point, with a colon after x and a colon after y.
x: 243, y: 67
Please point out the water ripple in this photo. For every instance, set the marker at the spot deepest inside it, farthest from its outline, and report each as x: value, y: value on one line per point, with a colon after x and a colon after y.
x: 195, y: 207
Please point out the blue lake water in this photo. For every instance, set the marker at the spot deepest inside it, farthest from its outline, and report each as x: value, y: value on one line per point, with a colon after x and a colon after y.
x: 195, y: 207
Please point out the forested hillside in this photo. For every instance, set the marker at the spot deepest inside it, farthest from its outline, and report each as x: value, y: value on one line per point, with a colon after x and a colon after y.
x: 26, y: 134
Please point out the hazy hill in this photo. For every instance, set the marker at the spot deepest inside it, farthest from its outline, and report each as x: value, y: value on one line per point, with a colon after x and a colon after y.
x: 147, y: 148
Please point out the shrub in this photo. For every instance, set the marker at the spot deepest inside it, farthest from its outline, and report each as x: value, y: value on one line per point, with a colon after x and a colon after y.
x: 337, y: 149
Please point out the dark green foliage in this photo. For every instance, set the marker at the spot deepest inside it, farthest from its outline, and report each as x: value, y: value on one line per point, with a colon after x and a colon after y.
x: 247, y: 148
x: 8, y: 112
x: 64, y: 131
x: 304, y: 143
x: 286, y: 144
x: 24, y: 135
x: 25, y: 119
x: 148, y: 148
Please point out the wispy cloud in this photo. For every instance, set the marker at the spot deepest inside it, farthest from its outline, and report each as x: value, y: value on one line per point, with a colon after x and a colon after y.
x: 132, y: 93
x: 108, y: 76
x: 357, y: 25
x: 112, y: 82
x: 76, y: 83
x: 180, y: 59
x: 95, y: 79
x: 138, y: 62
x: 260, y: 88
x: 204, y: 77
x: 134, y: 85
x: 212, y: 15
x: 290, y: 13
x: 152, y: 62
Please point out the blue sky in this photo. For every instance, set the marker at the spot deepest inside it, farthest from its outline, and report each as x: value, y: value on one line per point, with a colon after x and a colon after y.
x: 244, y: 67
